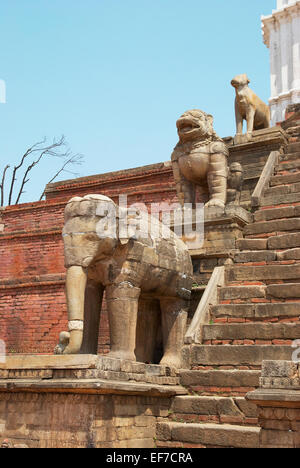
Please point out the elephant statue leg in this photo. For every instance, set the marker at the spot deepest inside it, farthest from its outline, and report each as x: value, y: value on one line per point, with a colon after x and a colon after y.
x: 217, y: 180
x: 122, y: 304
x: 92, y: 313
x: 75, y: 291
x: 174, y: 318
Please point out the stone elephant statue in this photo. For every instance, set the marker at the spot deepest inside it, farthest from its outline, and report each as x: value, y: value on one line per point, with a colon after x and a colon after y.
x: 147, y: 281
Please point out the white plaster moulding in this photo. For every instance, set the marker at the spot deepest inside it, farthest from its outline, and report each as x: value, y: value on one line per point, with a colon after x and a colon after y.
x: 277, y: 16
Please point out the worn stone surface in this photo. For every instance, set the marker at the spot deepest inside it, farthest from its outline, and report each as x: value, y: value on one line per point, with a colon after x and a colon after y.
x: 255, y: 256
x: 291, y: 254
x: 222, y: 228
x: 279, y: 369
x: 52, y: 420
x: 240, y: 292
x: 251, y: 244
x: 267, y: 310
x: 278, y: 403
x: 285, y: 291
x: 238, y: 355
x: 252, y: 331
x: 31, y: 361
x: 213, y: 405
x: 215, y: 435
x: 276, y: 213
x: 79, y: 367
x: 273, y: 226
x: 269, y: 272
x: 220, y: 378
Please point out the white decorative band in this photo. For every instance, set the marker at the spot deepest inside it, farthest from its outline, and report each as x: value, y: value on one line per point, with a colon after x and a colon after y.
x: 75, y: 325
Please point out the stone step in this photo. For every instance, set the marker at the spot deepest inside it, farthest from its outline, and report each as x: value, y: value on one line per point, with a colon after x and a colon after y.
x: 193, y: 409
x: 238, y: 273
x: 278, y: 200
x: 252, y: 331
x: 290, y: 156
x: 277, y: 213
x: 284, y: 241
x: 241, y: 292
x: 278, y: 225
x: 261, y: 311
x: 290, y: 254
x: 258, y: 256
x: 209, y: 380
x: 287, y: 166
x: 285, y: 291
x: 253, y: 256
x: 207, y: 435
x: 282, y: 190
x: 293, y: 147
x: 235, y: 355
x: 251, y: 244
x: 285, y: 179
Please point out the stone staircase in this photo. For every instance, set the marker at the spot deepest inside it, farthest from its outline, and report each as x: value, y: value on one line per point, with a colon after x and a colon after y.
x: 257, y: 318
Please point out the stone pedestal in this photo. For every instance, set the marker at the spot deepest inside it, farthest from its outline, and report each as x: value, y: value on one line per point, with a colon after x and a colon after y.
x: 278, y: 401
x: 83, y: 401
x: 266, y: 135
x: 215, y: 245
x: 253, y: 154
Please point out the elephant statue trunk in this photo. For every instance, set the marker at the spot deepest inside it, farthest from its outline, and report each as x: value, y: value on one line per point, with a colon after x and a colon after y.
x: 75, y: 289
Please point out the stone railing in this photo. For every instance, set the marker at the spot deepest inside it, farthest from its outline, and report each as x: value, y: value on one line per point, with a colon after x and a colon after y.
x: 264, y: 179
x: 209, y: 298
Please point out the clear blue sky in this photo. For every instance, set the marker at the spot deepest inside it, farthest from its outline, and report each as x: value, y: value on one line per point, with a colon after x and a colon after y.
x: 114, y: 75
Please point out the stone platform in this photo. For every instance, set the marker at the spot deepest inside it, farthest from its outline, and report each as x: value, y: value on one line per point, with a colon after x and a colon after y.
x: 83, y: 401
x: 87, y: 373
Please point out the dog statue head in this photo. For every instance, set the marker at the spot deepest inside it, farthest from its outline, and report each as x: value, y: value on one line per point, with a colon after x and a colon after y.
x: 240, y: 80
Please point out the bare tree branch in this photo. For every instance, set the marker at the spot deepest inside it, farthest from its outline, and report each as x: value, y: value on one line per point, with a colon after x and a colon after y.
x: 57, y: 149
x: 75, y: 159
x: 16, y: 168
x: 2, y: 184
x: 47, y: 151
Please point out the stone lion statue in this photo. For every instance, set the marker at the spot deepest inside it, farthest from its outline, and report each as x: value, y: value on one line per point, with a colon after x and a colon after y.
x: 199, y: 159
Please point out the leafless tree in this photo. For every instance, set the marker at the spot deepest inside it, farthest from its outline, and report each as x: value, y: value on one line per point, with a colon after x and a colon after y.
x: 2, y: 184
x: 40, y: 150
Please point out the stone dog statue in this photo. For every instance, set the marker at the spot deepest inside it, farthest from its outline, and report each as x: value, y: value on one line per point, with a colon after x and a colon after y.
x: 200, y: 158
x: 144, y: 276
x: 249, y: 107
